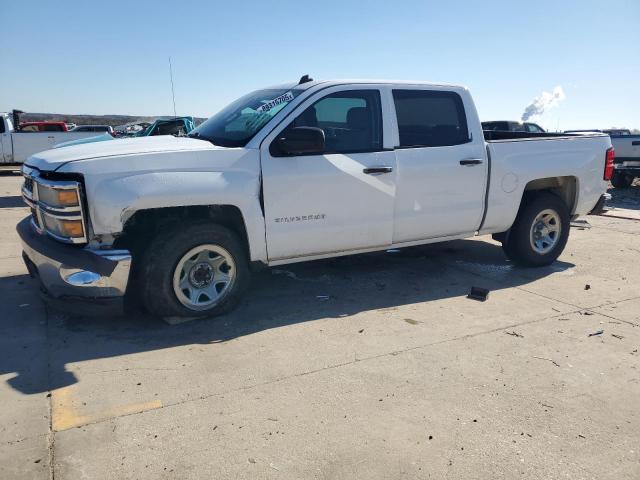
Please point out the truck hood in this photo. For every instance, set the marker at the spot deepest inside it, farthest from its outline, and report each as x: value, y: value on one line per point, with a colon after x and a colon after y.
x: 54, y: 159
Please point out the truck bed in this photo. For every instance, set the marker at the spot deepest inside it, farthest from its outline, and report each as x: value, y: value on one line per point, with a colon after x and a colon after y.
x: 518, y: 158
x: 490, y: 135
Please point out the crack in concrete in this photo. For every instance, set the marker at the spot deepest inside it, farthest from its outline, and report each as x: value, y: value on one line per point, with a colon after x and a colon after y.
x: 24, y: 439
x: 51, y: 436
x: 502, y: 282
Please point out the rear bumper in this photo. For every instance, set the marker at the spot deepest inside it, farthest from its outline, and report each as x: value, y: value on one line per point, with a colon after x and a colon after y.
x: 635, y: 171
x: 70, y: 275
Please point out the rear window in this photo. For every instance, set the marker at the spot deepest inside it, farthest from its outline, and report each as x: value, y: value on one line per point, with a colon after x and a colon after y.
x: 495, y: 126
x: 428, y: 118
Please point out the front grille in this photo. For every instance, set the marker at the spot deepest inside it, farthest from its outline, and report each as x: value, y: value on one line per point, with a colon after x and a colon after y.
x: 28, y: 184
x: 34, y: 217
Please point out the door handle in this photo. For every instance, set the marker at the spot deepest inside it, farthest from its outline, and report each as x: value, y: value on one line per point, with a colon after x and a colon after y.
x: 471, y: 161
x: 377, y: 170
x: 635, y: 143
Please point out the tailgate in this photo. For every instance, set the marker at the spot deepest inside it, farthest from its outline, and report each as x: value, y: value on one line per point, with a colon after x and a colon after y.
x: 627, y: 149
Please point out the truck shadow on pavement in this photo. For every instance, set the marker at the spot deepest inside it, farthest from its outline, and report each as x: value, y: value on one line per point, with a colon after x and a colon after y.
x: 281, y: 296
x: 11, y: 202
x: 628, y: 198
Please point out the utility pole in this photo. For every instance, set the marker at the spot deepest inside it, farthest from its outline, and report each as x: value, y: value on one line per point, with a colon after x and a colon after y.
x: 173, y: 95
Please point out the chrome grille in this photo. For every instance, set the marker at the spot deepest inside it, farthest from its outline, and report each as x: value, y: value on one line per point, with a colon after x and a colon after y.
x: 28, y: 184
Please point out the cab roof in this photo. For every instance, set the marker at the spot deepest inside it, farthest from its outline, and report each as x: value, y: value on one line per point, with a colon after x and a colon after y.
x: 363, y: 81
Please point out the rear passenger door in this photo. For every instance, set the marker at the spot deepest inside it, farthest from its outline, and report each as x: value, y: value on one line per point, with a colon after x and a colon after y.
x: 441, y: 167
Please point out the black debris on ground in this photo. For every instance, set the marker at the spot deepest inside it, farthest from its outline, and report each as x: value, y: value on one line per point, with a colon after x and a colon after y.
x: 478, y: 293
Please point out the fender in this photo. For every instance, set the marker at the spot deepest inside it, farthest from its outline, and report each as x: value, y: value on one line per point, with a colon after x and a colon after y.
x: 118, y: 187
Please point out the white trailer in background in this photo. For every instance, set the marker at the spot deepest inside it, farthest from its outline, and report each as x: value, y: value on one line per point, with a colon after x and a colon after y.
x: 16, y: 147
x: 627, y: 162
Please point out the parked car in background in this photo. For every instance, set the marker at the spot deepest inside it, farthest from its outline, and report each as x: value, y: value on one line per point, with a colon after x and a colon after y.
x: 618, y: 132
x: 627, y: 162
x: 94, y: 128
x: 17, y: 146
x: 511, y: 126
x: 178, y: 126
x: 43, y: 127
x: 291, y: 173
x: 627, y: 156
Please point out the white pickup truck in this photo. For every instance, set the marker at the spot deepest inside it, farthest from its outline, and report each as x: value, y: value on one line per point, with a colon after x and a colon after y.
x: 16, y: 147
x: 627, y: 162
x: 293, y: 173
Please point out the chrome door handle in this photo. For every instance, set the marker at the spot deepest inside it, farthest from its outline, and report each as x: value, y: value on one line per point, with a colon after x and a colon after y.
x: 377, y: 170
x: 471, y: 161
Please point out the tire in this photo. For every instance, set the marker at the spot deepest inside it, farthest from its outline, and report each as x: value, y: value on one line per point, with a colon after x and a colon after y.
x: 178, y: 274
x: 621, y: 180
x: 531, y: 241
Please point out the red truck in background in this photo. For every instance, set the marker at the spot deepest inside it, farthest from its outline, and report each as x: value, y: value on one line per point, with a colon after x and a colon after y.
x: 43, y: 127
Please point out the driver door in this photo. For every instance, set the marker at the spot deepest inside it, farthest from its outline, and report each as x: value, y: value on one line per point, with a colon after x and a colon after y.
x: 338, y: 199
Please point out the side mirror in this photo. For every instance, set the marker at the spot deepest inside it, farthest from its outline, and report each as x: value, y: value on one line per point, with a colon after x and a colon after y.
x: 299, y: 141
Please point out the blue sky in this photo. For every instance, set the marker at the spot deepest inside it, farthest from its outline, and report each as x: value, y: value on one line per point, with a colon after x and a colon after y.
x: 99, y: 58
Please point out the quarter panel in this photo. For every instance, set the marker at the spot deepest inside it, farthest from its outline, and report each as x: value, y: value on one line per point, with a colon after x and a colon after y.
x: 516, y: 163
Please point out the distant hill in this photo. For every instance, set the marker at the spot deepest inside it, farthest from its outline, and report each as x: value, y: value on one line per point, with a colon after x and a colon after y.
x: 113, y: 120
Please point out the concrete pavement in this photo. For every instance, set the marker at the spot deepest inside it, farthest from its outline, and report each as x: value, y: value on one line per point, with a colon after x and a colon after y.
x: 395, y: 375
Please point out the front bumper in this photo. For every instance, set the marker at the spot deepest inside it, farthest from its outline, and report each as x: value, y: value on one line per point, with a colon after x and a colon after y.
x: 69, y: 274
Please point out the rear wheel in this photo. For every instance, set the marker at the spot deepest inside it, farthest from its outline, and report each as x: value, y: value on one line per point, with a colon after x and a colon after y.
x: 198, y: 271
x: 540, y: 232
x: 621, y: 180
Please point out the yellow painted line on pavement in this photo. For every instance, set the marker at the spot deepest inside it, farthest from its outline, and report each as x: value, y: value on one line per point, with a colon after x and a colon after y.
x: 65, y: 415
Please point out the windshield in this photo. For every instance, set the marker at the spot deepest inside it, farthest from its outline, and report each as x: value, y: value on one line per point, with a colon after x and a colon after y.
x: 239, y: 122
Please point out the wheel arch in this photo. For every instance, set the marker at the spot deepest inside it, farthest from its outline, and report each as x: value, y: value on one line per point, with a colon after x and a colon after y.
x: 143, y: 225
x: 565, y: 187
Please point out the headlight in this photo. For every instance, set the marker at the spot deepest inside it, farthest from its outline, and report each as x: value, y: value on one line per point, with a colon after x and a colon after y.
x: 64, y: 228
x: 56, y: 207
x: 59, y: 198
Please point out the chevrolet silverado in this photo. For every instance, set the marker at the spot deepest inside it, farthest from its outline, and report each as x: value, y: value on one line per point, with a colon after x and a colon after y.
x: 297, y: 172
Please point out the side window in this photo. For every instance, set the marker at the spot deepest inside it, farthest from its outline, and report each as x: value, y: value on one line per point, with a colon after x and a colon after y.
x: 29, y: 128
x: 428, y: 118
x: 533, y: 128
x: 52, y: 128
x: 351, y: 121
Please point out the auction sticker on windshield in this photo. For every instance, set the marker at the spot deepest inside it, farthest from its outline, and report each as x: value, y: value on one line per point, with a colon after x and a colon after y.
x: 284, y: 98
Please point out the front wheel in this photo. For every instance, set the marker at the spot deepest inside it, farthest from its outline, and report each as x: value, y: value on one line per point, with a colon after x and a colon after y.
x: 621, y: 180
x: 540, y: 232
x: 198, y: 271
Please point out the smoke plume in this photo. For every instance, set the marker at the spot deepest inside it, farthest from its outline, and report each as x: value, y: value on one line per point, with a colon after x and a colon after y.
x: 544, y: 102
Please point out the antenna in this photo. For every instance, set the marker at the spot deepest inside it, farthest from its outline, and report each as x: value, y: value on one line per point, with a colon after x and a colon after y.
x: 173, y: 95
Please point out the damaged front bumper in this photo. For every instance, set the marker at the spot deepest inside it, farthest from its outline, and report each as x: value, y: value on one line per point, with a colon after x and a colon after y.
x: 82, y: 280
